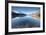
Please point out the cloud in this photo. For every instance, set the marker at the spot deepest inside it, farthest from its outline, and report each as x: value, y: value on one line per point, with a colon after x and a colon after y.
x: 15, y: 11
x: 30, y: 12
x: 27, y: 12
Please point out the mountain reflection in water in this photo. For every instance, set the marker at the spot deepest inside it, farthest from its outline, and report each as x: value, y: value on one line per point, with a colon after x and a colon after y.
x: 25, y: 22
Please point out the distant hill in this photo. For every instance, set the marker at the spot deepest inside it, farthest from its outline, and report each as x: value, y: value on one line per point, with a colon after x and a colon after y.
x: 17, y: 15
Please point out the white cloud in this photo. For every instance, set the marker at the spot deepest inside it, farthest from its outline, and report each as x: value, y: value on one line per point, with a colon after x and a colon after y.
x: 15, y: 11
x: 22, y: 12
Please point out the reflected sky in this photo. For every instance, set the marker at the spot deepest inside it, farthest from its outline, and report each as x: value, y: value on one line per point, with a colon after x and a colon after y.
x: 26, y: 21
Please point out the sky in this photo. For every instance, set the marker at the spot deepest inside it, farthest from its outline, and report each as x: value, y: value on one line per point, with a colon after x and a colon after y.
x: 25, y: 10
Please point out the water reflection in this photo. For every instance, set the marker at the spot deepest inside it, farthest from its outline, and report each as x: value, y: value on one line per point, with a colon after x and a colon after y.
x: 25, y: 22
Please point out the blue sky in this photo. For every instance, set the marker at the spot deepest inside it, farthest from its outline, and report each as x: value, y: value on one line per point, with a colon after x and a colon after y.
x: 25, y: 9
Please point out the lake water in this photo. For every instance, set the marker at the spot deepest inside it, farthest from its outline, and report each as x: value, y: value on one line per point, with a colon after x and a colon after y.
x: 25, y: 22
